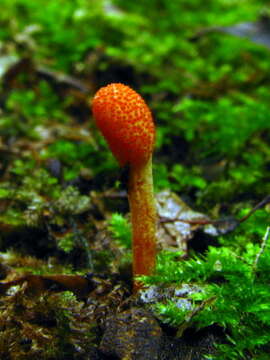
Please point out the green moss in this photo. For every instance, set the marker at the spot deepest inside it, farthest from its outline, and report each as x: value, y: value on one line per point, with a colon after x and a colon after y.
x: 49, y: 327
x: 28, y: 111
x: 120, y: 229
x: 66, y: 243
x: 233, y: 294
x: 77, y: 156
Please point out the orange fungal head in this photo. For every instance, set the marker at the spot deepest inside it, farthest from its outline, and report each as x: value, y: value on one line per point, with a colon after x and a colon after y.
x: 126, y: 123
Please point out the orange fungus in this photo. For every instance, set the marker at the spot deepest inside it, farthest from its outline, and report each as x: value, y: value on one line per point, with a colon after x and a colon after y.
x: 126, y: 123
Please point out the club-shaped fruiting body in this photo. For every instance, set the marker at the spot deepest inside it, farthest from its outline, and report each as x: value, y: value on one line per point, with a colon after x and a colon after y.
x: 127, y: 125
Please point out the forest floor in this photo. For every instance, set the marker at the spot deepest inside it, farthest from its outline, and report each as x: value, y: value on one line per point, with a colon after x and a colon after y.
x: 65, y: 234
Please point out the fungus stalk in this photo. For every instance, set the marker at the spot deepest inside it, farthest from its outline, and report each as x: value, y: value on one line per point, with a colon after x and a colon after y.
x: 143, y: 218
x: 127, y: 125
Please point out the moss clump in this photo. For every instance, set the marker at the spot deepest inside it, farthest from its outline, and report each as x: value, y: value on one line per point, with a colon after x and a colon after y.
x: 121, y: 230
x: 234, y: 294
x: 45, y: 327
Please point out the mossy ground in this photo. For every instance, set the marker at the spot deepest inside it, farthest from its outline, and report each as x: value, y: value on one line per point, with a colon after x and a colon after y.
x: 59, y: 185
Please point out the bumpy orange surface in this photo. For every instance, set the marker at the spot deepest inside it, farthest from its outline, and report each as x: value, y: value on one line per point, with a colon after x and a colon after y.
x: 126, y: 123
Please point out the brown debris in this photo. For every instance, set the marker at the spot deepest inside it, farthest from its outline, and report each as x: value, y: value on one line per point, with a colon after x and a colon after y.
x: 37, y: 284
x: 132, y: 335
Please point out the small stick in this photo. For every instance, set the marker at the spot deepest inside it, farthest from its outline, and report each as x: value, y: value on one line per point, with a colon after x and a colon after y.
x: 263, y: 246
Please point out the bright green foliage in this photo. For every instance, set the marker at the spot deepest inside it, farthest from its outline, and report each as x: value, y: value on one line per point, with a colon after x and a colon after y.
x: 222, y: 131
x: 170, y: 313
x: 66, y: 243
x: 120, y: 229
x: 227, y: 124
x: 76, y: 156
x: 180, y: 176
x: 251, y: 231
x: 55, y: 28
x: 210, y: 95
x: 236, y: 286
x: 27, y: 111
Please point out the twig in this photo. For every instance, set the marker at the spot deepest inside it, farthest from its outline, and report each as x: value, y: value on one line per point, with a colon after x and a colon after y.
x: 193, y: 313
x: 198, y: 221
x: 63, y: 78
x: 218, y: 222
x: 263, y: 246
x: 262, y: 203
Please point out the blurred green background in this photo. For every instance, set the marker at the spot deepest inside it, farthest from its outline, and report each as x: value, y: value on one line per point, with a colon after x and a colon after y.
x: 208, y: 90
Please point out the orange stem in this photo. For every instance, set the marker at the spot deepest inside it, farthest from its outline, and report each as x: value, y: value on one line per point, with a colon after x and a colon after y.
x: 143, y: 218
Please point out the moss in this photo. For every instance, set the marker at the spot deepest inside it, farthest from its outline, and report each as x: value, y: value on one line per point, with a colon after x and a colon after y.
x: 43, y: 327
x: 121, y: 230
x: 233, y: 294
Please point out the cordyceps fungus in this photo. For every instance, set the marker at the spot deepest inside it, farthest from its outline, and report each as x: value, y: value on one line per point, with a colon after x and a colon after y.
x: 127, y: 124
